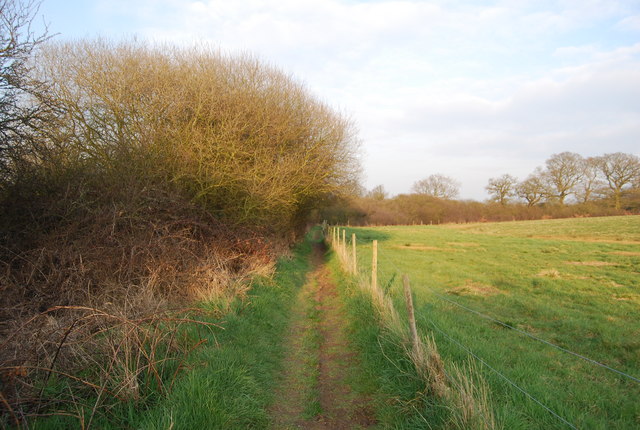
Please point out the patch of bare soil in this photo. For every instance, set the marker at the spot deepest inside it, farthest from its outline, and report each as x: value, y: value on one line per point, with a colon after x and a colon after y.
x: 420, y: 247
x: 341, y: 407
x: 587, y: 240
x: 591, y: 263
x: 464, y: 244
x: 471, y: 288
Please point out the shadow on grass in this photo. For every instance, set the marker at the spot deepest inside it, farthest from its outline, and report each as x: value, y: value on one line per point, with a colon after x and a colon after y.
x: 366, y: 235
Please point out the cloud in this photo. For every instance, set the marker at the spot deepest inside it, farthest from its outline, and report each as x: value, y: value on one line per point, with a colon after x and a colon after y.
x: 591, y: 109
x: 630, y: 23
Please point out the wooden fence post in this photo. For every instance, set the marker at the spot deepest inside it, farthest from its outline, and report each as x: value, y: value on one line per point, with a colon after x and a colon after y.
x: 353, y: 254
x: 374, y: 266
x: 410, y: 310
x: 344, y: 246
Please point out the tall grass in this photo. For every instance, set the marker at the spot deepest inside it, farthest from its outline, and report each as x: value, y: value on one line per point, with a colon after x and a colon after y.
x: 440, y: 399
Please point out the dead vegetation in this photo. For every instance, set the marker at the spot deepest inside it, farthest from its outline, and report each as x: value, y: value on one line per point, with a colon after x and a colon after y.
x: 104, y: 291
x: 550, y: 273
x: 421, y: 247
x: 626, y: 253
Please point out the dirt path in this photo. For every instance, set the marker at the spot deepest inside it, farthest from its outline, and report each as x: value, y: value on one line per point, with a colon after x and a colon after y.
x: 315, y: 391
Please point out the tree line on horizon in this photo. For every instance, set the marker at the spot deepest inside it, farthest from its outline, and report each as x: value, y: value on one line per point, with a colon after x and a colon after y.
x: 569, y: 175
x: 567, y: 185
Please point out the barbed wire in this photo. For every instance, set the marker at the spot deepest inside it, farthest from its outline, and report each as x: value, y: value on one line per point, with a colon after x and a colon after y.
x: 497, y: 372
x: 525, y: 333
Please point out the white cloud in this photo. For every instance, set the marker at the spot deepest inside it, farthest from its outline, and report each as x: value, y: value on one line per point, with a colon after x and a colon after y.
x: 631, y: 23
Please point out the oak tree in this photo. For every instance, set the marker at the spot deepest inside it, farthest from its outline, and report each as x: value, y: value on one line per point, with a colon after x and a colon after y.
x: 532, y: 189
x: 563, y: 173
x: 620, y: 170
x: 502, y: 188
x: 437, y: 185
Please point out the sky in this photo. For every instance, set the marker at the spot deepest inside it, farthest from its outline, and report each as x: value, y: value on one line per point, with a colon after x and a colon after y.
x: 468, y: 89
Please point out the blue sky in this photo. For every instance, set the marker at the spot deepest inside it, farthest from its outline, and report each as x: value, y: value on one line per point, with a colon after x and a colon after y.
x: 465, y: 88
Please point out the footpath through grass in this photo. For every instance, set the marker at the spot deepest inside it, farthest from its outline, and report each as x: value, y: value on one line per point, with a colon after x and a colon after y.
x: 231, y: 380
x: 571, y: 282
x: 282, y: 361
x: 322, y: 385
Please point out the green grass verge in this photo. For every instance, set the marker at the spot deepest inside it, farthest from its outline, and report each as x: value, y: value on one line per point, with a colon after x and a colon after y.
x: 572, y: 282
x: 387, y: 373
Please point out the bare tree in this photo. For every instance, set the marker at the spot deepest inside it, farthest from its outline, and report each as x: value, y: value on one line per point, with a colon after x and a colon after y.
x: 590, y: 185
x: 532, y: 189
x: 620, y: 170
x: 18, y: 114
x: 437, y: 185
x: 502, y: 188
x: 564, y: 171
x: 378, y: 193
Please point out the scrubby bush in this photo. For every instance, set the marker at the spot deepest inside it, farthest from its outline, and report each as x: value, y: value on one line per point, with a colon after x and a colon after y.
x: 239, y: 137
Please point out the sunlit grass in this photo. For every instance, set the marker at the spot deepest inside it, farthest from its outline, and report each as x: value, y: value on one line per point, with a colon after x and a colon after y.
x: 617, y: 229
x: 580, y: 290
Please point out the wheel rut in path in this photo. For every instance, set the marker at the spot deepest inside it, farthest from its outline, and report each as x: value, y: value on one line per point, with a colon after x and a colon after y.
x: 315, y: 390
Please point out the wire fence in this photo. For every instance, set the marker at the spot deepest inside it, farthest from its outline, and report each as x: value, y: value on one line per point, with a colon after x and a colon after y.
x: 347, y: 252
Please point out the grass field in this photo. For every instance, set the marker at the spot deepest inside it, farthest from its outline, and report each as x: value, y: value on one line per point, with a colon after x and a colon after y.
x: 572, y: 282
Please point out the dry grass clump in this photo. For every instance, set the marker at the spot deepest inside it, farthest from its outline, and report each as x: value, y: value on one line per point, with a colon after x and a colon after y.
x: 90, y: 359
x: 471, y: 400
x: 462, y: 389
x: 472, y: 288
x: 550, y: 273
x: 591, y: 263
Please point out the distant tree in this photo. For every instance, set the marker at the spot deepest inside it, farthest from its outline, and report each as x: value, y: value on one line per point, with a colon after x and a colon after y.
x: 502, y: 188
x: 590, y: 184
x: 532, y: 189
x: 563, y: 173
x: 437, y: 185
x: 378, y: 193
x: 619, y: 170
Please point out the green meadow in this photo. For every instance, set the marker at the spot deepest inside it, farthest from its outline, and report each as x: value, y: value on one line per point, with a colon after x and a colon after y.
x: 573, y: 282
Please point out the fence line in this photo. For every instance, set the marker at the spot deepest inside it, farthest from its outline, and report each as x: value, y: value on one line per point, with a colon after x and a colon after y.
x: 516, y: 386
x: 350, y: 262
x: 497, y: 321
